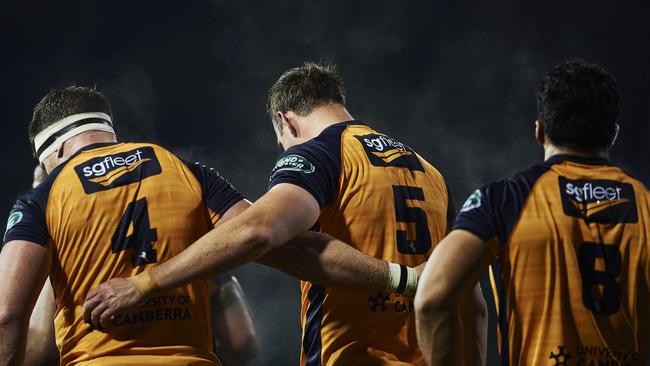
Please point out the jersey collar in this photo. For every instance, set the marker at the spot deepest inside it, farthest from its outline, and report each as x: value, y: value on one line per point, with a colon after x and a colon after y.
x: 348, y: 123
x: 591, y: 160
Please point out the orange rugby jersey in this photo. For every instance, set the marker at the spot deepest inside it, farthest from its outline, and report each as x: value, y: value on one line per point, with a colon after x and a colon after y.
x: 379, y: 196
x: 571, y: 275
x: 114, y: 210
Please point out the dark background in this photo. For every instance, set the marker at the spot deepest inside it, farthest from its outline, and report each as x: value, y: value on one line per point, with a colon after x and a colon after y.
x: 452, y: 79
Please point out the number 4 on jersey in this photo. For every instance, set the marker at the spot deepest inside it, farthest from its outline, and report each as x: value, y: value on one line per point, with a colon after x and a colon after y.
x: 134, y: 231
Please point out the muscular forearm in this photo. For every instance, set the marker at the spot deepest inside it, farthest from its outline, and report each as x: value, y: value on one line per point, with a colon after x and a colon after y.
x: 218, y: 251
x: 13, y: 337
x: 322, y: 259
x: 241, y: 239
x: 473, y: 319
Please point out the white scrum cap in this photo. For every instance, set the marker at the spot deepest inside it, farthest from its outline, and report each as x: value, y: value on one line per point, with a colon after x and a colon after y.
x: 51, y: 138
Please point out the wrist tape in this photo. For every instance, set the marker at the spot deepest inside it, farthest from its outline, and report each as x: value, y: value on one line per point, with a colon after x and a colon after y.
x: 401, y: 279
x: 144, y: 282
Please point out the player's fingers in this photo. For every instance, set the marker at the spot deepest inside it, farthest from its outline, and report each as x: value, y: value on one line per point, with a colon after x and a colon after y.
x: 106, y: 316
x: 96, y: 314
x: 88, y: 307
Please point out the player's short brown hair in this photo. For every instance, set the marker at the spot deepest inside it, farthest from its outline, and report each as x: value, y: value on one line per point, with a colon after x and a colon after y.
x: 63, y: 102
x: 301, y: 89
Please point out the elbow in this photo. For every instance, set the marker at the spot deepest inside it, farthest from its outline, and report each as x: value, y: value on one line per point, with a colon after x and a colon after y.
x: 9, y: 317
x: 250, y: 350
x: 13, y: 321
x: 430, y: 302
x: 259, y: 239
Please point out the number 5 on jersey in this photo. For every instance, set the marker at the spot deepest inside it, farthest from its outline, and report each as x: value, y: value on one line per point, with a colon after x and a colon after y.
x: 134, y: 231
x: 403, y: 213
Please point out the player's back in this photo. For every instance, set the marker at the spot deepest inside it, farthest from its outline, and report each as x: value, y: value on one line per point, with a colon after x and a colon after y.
x: 381, y: 197
x: 110, y: 211
x: 572, y: 277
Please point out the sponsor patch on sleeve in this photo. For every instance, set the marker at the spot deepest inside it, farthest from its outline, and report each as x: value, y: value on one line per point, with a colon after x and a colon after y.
x: 294, y: 163
x: 14, y: 218
x: 472, y: 202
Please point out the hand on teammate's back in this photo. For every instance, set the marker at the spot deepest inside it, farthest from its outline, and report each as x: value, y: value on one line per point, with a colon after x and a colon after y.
x: 110, y: 297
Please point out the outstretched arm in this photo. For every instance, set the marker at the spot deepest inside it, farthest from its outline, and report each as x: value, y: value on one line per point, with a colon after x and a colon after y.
x: 25, y: 266
x: 322, y: 259
x: 442, y: 319
x: 281, y: 214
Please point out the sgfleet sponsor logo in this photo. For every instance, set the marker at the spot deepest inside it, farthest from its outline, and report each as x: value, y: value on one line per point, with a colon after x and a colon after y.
x: 589, y: 192
x: 106, y: 172
x: 109, y: 163
x: 381, y: 143
x: 386, y: 151
x: 598, y: 200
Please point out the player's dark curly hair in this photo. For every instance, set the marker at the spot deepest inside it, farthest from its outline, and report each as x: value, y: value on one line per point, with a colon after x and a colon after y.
x: 301, y: 89
x: 577, y: 104
x: 63, y: 102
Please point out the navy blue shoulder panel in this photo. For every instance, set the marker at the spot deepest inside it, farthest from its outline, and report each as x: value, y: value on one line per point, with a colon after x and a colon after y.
x: 314, y: 165
x: 27, y: 217
x: 493, y: 210
x: 219, y: 195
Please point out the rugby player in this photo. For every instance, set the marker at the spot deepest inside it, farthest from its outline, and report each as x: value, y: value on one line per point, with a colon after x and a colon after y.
x: 235, y: 335
x: 110, y: 209
x: 567, y: 240
x: 354, y: 183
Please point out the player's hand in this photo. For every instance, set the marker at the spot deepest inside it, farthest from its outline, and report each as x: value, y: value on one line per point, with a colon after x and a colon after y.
x: 109, y: 298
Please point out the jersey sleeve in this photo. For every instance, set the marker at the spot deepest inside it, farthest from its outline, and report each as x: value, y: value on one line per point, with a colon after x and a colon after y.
x: 27, y: 221
x: 218, y: 193
x: 492, y: 211
x: 478, y: 214
x: 314, y: 166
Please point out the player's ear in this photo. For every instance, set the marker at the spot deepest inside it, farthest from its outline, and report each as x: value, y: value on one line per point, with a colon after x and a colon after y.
x: 291, y: 123
x: 539, y: 133
x: 286, y: 123
x: 616, y: 130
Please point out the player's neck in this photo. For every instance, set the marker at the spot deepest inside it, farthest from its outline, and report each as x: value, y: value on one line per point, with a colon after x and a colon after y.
x: 325, y: 116
x: 76, y: 143
x: 551, y: 150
